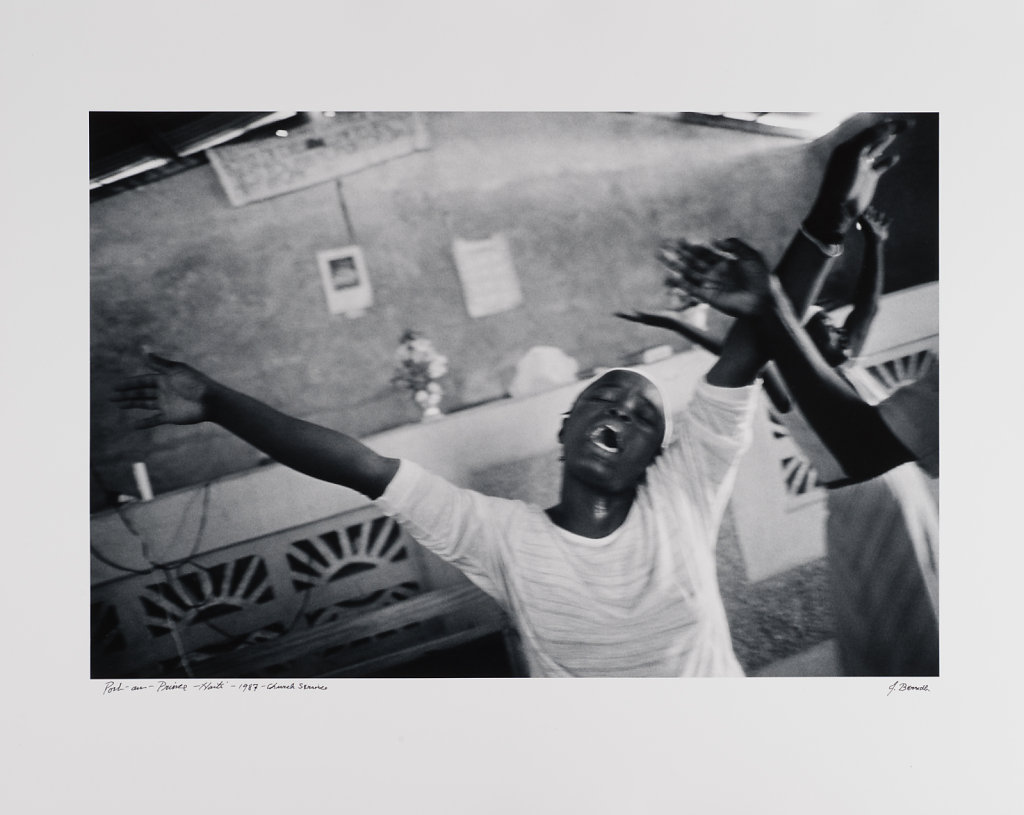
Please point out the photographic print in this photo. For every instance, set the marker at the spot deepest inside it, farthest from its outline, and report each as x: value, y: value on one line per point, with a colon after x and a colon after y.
x: 574, y: 435
x: 346, y: 284
x: 716, y: 527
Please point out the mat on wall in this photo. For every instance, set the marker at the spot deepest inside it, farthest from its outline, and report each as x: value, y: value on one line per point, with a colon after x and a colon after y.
x: 326, y: 146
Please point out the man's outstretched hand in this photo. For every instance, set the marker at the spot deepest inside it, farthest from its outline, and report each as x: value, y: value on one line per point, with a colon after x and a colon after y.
x: 174, y: 392
x: 729, y: 275
x: 875, y: 223
x: 665, y: 318
x: 851, y: 178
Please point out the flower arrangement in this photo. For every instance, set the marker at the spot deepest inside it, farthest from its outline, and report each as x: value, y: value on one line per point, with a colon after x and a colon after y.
x: 418, y: 367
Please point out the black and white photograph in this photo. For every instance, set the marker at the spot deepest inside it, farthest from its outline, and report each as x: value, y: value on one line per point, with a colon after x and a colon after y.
x: 343, y: 272
x: 345, y: 281
x: 703, y: 440
x: 504, y: 418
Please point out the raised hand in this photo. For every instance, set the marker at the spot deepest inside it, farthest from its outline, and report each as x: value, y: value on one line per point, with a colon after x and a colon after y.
x: 666, y: 318
x: 875, y: 223
x: 673, y: 321
x: 729, y: 275
x: 851, y: 178
x: 174, y: 391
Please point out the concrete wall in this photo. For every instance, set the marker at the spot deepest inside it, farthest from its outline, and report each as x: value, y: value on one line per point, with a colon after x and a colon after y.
x: 582, y: 198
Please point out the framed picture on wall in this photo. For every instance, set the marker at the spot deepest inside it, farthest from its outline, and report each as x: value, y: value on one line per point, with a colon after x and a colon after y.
x: 346, y: 284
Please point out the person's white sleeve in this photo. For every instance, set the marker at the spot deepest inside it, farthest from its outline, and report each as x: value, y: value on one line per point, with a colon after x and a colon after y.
x: 912, y: 414
x: 712, y: 435
x: 459, y: 525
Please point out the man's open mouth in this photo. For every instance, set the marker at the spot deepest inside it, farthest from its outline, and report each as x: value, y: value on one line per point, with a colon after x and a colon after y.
x: 606, y: 438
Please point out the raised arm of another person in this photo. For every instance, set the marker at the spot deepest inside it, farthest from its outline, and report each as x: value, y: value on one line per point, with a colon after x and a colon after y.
x: 178, y: 394
x: 847, y: 187
x: 875, y: 227
x: 673, y: 321
x: 739, y: 358
x: 854, y: 431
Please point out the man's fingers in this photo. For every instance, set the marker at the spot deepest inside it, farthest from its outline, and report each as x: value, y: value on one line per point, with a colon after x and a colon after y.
x: 137, y: 403
x: 678, y: 257
x: 886, y: 163
x: 722, y: 252
x: 699, y: 275
x: 733, y: 246
x: 703, y: 287
x: 635, y: 317
x: 133, y: 382
x: 137, y: 392
x: 679, y: 254
x: 136, y: 387
x: 882, y: 135
x: 142, y: 394
x: 740, y: 249
x: 159, y: 363
x: 670, y: 258
x: 873, y: 137
x: 865, y: 141
x: 875, y: 150
x: 141, y: 402
x: 646, y: 318
x: 900, y: 125
x: 133, y: 391
x: 707, y: 256
x: 149, y: 421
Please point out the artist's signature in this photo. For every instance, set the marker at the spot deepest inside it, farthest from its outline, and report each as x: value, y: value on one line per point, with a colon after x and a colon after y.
x: 900, y: 687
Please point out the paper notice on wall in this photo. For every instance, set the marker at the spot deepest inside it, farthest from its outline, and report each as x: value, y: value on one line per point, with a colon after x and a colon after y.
x: 489, y: 281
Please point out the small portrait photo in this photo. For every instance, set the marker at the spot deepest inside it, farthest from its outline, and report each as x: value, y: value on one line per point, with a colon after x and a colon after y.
x: 346, y: 284
x: 344, y: 274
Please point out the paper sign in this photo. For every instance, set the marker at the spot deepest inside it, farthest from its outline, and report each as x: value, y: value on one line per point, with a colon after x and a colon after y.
x: 326, y: 147
x: 489, y: 281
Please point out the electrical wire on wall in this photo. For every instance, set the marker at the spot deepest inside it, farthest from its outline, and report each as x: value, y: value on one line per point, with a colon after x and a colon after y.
x: 152, y: 562
x: 346, y: 219
x: 173, y: 573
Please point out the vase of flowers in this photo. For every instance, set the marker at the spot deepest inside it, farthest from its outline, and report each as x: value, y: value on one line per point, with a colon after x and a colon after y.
x: 418, y: 368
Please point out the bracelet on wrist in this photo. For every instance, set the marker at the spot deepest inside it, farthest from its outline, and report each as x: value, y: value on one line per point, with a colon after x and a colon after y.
x: 832, y: 250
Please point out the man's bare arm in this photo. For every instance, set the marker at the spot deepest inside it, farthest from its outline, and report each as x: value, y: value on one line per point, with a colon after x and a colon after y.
x: 175, y: 393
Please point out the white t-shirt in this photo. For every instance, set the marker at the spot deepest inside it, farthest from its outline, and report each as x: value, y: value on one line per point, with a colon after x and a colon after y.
x: 643, y: 601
